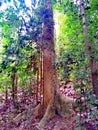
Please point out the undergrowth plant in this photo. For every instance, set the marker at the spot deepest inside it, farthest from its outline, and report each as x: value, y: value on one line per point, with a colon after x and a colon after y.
x: 87, y: 108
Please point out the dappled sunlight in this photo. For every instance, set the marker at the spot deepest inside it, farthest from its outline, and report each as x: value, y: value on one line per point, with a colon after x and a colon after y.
x: 48, y: 65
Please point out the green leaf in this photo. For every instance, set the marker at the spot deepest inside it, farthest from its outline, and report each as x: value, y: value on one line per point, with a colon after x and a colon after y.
x: 77, y: 86
x: 96, y: 102
x: 80, y: 128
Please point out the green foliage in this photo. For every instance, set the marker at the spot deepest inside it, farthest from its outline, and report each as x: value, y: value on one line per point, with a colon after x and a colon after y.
x: 20, y: 27
x: 70, y: 40
x: 71, y: 45
x: 79, y: 127
x: 71, y: 53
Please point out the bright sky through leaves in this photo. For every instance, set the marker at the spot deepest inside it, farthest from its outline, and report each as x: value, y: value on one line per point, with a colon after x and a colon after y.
x: 4, y: 5
x: 28, y: 2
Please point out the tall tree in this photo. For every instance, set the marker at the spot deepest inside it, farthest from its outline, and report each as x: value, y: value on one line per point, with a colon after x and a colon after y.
x: 48, y: 51
x: 93, y: 63
x: 54, y: 101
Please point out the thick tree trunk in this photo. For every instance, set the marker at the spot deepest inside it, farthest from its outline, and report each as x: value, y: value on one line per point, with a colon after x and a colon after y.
x: 54, y: 102
x: 48, y: 76
x: 92, y: 61
x: 48, y: 52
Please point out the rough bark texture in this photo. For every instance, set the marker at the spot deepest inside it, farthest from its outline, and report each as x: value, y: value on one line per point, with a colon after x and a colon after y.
x: 92, y: 61
x: 54, y: 101
x: 48, y: 52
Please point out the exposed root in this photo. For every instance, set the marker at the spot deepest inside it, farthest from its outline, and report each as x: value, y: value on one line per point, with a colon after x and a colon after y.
x: 62, y: 107
x: 50, y: 112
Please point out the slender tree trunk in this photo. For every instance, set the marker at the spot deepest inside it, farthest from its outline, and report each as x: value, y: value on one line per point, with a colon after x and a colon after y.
x: 16, y: 83
x: 41, y: 76
x: 37, y: 87
x: 30, y: 79
x: 92, y: 61
x: 30, y: 86
x: 14, y: 88
x: 6, y: 95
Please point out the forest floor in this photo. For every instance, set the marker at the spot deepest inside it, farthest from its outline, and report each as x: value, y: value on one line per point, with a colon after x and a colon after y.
x: 21, y: 118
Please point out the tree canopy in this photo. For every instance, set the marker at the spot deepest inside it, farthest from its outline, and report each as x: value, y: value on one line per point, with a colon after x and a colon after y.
x: 43, y: 38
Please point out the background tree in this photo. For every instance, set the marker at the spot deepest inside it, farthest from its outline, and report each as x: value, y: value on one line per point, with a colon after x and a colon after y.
x: 92, y: 61
x: 73, y: 40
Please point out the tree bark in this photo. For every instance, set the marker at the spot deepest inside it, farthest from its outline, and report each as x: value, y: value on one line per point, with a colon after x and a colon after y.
x: 93, y: 63
x: 48, y: 51
x: 6, y: 95
x: 54, y: 102
x: 16, y: 83
x: 14, y: 88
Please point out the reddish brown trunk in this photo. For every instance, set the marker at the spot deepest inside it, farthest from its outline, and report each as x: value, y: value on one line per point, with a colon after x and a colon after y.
x: 54, y: 102
x: 37, y: 87
x: 48, y: 52
x: 14, y: 88
x: 48, y: 75
x: 93, y: 62
x: 94, y: 74
x: 6, y: 95
x: 41, y: 74
x: 16, y: 83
